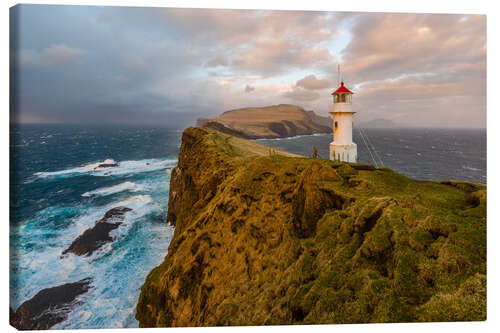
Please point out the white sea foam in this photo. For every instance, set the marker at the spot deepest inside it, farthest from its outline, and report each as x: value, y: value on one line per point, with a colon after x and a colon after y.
x: 465, y: 167
x: 117, y: 269
x: 117, y: 275
x: 293, y: 137
x: 41, y: 265
x: 126, y: 186
x: 123, y: 168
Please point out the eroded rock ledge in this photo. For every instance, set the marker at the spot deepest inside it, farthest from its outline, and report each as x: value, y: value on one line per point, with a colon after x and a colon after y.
x: 264, y: 237
x: 49, y: 306
x: 93, y: 238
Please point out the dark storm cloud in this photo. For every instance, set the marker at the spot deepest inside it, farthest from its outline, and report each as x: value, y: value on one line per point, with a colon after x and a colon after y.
x: 101, y: 69
x: 163, y: 66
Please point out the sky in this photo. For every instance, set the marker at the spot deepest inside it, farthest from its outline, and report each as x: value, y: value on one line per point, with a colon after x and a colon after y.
x: 168, y: 66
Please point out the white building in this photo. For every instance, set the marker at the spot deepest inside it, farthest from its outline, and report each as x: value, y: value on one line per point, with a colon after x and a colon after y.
x: 342, y: 148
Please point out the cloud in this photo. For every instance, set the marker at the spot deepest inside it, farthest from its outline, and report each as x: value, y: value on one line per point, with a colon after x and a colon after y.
x: 310, y: 82
x: 157, y: 65
x: 388, y: 45
x: 266, y: 43
x: 270, y: 57
x: 134, y: 62
x: 301, y: 94
x: 236, y: 27
x: 420, y: 63
x: 218, y: 61
x: 54, y: 54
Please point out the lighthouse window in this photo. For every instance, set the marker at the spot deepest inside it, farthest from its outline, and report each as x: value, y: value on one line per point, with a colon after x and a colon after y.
x: 343, y: 98
x: 336, y: 125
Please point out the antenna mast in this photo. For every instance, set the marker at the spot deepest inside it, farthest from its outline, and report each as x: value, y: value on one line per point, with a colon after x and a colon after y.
x: 338, y: 74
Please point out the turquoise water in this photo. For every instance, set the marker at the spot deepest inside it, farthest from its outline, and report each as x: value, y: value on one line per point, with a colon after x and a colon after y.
x: 56, y: 194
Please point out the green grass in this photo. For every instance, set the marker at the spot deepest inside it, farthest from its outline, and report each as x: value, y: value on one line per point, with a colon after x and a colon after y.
x: 267, y: 237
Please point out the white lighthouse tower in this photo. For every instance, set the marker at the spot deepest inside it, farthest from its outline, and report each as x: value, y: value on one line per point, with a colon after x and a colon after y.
x: 342, y: 148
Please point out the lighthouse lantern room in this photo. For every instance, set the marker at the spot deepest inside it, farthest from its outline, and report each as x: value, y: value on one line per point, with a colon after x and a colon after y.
x: 342, y: 148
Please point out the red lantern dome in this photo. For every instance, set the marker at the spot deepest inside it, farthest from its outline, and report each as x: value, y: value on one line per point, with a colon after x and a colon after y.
x: 342, y: 89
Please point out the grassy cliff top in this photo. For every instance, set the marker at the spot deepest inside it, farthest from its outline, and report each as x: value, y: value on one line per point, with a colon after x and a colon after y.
x: 264, y: 114
x: 266, y: 237
x: 236, y: 147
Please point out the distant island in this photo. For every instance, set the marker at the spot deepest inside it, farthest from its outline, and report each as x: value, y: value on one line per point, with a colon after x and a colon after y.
x: 278, y: 121
x: 269, y: 122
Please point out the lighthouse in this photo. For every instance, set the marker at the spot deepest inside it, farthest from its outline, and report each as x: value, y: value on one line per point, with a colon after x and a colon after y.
x: 342, y: 148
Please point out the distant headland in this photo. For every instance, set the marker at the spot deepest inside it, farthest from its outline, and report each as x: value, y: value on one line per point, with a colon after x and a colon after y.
x: 269, y: 122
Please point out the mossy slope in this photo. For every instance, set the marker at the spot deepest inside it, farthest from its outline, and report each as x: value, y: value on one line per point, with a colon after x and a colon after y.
x: 264, y: 237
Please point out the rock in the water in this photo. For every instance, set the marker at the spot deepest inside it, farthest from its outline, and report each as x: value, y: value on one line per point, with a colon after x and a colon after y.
x: 93, y: 238
x: 109, y: 163
x: 49, y: 306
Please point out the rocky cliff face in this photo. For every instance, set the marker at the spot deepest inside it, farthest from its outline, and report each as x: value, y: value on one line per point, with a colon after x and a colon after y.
x: 264, y: 237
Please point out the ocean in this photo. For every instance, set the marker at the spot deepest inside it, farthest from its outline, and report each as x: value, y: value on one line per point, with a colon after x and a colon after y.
x: 56, y: 194
x: 420, y: 153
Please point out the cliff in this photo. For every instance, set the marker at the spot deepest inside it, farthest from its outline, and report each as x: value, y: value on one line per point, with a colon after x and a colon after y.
x: 277, y: 121
x: 320, y: 120
x: 263, y: 237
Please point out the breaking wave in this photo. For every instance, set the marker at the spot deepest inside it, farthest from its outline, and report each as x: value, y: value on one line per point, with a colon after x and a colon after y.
x: 124, y: 167
x: 126, y: 186
x: 465, y: 167
x: 117, y: 269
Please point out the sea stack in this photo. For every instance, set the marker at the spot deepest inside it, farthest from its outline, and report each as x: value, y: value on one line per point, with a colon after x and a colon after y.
x: 342, y: 148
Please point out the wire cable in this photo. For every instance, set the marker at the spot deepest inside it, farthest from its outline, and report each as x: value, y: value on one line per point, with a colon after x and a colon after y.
x: 367, y: 147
